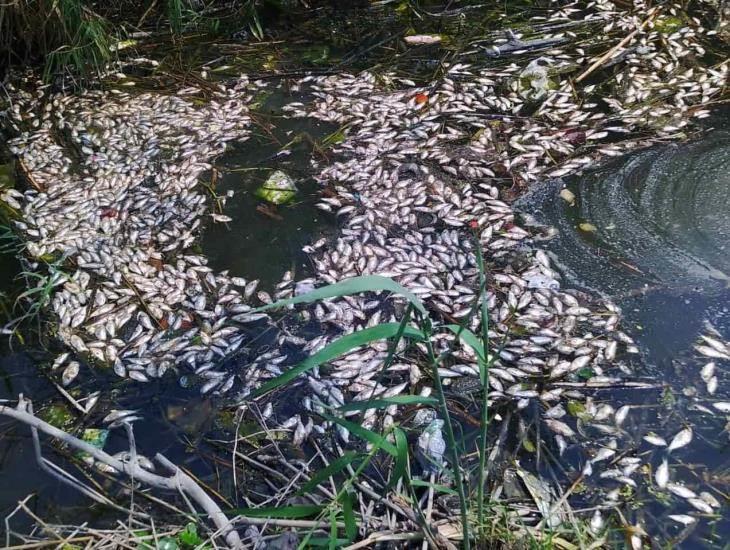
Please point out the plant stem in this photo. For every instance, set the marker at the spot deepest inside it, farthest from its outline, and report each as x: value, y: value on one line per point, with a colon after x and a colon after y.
x: 484, y: 373
x: 349, y: 482
x: 451, y: 440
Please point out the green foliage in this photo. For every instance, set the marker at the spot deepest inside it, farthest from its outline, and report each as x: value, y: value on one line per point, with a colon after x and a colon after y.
x: 394, y: 443
x: 58, y: 415
x: 65, y: 34
x: 354, y: 285
x: 187, y: 539
x: 87, y: 40
x: 80, y: 37
x: 334, y: 350
x: 365, y: 434
x: 175, y: 15
x: 334, y: 468
x: 10, y: 243
x: 189, y: 536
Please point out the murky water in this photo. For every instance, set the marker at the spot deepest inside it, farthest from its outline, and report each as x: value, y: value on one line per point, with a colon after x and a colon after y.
x: 655, y: 219
x: 658, y: 244
x: 264, y: 240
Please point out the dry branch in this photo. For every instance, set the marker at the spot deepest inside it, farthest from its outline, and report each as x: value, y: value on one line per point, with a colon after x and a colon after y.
x: 178, y: 481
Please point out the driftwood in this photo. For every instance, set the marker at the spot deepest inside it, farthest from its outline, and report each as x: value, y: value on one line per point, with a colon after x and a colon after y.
x: 177, y: 481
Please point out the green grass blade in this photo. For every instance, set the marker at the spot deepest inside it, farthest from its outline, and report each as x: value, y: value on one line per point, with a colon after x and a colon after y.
x: 355, y: 285
x: 449, y: 433
x: 333, y: 528
x: 388, y: 401
x: 348, y: 515
x: 484, y: 376
x: 338, y: 465
x: 337, y: 348
x: 438, y: 488
x: 365, y: 434
x: 469, y: 338
x: 400, y: 470
x: 392, y: 348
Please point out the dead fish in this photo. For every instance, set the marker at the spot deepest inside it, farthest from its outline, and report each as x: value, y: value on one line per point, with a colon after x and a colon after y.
x: 655, y: 440
x: 560, y: 428
x: 118, y: 414
x: 681, y: 491
x: 707, y: 372
x: 683, y: 438
x: 70, y: 373
x: 700, y: 505
x: 709, y: 351
x: 621, y: 414
x: 661, y: 476
x: 684, y: 519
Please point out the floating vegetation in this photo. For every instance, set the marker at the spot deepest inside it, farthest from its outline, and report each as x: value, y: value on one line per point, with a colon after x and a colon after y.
x: 278, y: 188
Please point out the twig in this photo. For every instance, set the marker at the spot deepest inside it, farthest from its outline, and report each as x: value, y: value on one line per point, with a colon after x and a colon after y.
x: 142, y: 302
x: 601, y: 60
x: 146, y: 13
x: 70, y: 398
x: 384, y: 536
x: 178, y: 481
x: 7, y: 518
x: 239, y: 418
x: 29, y: 176
x: 59, y: 473
x: 312, y: 524
x: 429, y: 507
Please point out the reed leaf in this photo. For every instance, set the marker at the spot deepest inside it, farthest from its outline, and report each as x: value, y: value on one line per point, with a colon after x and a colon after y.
x: 348, y: 515
x: 334, y: 467
x: 400, y: 470
x: 336, y: 349
x: 365, y: 434
x: 387, y: 402
x: 355, y: 285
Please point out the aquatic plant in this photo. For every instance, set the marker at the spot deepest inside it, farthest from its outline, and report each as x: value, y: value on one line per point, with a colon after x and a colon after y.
x: 82, y: 37
x: 65, y: 34
x: 423, y: 331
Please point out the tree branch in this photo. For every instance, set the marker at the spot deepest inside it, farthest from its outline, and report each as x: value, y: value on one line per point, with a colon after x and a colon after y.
x: 179, y: 481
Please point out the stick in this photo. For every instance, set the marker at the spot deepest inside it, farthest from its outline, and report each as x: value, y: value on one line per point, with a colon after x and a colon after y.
x: 142, y: 302
x: 384, y: 536
x: 601, y: 60
x: 178, y: 481
x: 312, y: 524
x: 29, y: 176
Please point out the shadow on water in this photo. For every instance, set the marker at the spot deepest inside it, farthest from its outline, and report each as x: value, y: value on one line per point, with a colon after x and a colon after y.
x: 651, y: 231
